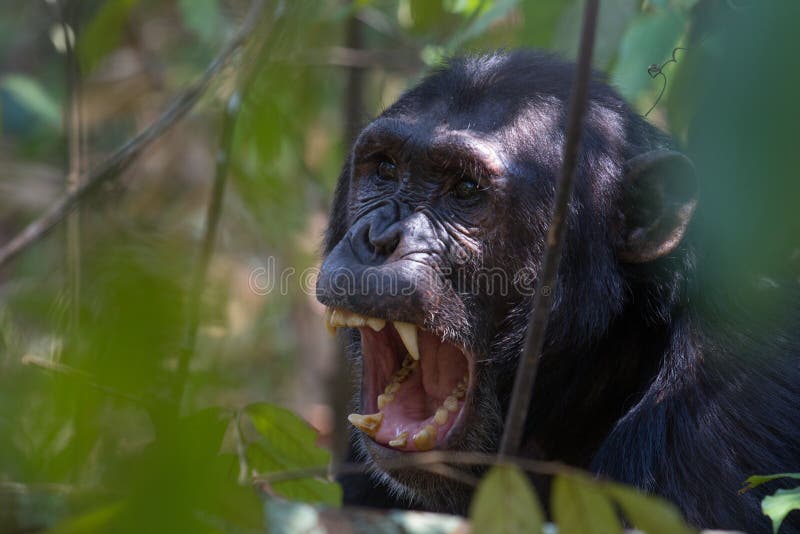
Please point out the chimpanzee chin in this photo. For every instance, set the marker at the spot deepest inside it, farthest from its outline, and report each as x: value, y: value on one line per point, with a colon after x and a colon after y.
x: 435, y: 240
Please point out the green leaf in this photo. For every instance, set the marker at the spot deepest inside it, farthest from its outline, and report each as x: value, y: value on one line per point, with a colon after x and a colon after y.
x: 647, y: 513
x: 756, y: 480
x: 30, y: 94
x: 541, y: 18
x: 202, y: 17
x: 649, y: 40
x: 581, y: 506
x: 505, y: 502
x: 778, y: 505
x: 612, y: 22
x: 289, y: 443
x: 499, y: 10
x: 103, y: 33
x: 288, y: 436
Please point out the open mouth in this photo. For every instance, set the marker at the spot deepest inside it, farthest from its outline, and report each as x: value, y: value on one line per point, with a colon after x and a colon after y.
x: 415, y: 385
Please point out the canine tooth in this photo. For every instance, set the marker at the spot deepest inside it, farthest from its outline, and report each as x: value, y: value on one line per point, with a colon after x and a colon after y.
x: 384, y: 399
x: 441, y: 415
x: 337, y: 318
x: 368, y: 424
x: 375, y: 323
x: 425, y: 439
x: 392, y: 388
x: 408, y: 333
x: 451, y: 403
x: 400, y: 440
x: 328, y: 325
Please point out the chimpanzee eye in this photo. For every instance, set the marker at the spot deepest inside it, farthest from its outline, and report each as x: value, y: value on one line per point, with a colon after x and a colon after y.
x: 387, y: 170
x: 465, y: 189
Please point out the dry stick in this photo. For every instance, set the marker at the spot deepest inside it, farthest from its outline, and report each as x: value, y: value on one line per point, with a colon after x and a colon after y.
x: 127, y: 153
x: 207, y: 248
x: 534, y: 337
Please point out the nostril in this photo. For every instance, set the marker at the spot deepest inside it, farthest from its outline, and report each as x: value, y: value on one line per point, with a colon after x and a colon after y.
x: 384, y: 243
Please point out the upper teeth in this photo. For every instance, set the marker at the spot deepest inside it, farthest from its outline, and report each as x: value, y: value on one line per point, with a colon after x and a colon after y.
x: 342, y: 318
x: 337, y: 318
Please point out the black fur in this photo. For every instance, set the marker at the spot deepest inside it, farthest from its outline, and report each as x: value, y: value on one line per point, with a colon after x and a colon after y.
x: 646, y: 378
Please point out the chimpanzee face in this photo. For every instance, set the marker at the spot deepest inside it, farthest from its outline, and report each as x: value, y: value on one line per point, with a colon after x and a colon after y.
x: 437, y: 234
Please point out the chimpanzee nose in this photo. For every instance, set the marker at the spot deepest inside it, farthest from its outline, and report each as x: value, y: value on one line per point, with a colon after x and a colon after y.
x: 374, y: 242
x: 376, y: 238
x: 384, y: 241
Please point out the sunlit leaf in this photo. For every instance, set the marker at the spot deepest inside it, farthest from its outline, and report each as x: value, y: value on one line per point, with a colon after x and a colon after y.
x: 30, y: 94
x: 581, y: 506
x: 648, y: 40
x: 505, y: 503
x: 756, y: 480
x: 778, y: 505
x: 647, y: 513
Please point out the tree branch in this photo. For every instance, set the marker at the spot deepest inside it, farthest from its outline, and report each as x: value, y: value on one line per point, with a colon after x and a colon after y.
x: 127, y: 153
x: 537, y: 326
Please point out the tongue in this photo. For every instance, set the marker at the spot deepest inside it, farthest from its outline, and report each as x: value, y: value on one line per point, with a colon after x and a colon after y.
x: 422, y: 400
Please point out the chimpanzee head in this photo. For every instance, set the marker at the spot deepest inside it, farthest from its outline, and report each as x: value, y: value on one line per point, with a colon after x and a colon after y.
x: 437, y: 234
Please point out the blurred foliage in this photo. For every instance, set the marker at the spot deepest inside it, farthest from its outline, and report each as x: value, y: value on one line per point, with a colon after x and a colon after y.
x: 505, y: 503
x: 580, y: 504
x: 92, y: 439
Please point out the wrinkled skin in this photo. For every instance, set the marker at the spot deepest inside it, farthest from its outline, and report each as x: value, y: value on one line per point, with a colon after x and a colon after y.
x: 445, y: 201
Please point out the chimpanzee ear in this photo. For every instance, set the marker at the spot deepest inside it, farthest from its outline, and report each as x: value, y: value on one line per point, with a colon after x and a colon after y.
x: 659, y: 197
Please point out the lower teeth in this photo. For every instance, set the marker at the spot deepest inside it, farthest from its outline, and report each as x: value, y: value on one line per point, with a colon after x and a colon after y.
x: 426, y: 438
x: 399, y: 441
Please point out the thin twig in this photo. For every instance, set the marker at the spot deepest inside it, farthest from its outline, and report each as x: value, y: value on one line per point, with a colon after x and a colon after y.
x: 420, y: 460
x: 127, y: 153
x: 73, y: 120
x: 534, y: 337
x: 196, y: 289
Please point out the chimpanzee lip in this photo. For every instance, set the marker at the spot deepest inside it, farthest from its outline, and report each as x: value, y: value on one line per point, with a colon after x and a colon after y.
x: 415, y: 385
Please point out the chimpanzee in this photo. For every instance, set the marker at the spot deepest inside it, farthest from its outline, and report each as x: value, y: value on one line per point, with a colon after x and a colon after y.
x: 435, y: 238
